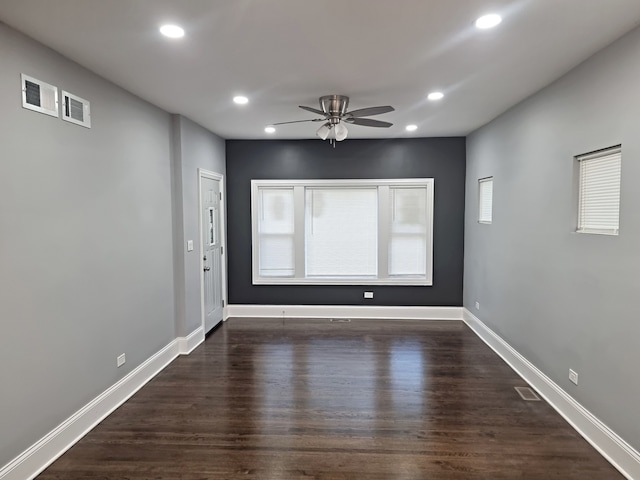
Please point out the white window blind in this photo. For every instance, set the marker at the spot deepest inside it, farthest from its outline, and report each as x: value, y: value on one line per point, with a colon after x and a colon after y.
x: 408, y: 233
x: 341, y: 232
x: 276, y: 232
x: 485, y: 200
x: 333, y: 232
x: 599, y: 192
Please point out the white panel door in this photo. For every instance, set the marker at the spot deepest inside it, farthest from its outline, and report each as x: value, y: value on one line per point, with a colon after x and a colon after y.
x: 212, y: 252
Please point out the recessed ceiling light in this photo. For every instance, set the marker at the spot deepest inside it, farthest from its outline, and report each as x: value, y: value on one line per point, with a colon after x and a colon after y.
x: 270, y: 129
x: 411, y: 128
x: 240, y: 100
x: 488, y: 21
x: 435, y: 96
x: 172, y: 31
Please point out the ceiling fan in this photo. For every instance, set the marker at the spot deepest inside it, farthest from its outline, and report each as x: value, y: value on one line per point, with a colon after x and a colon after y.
x: 333, y: 109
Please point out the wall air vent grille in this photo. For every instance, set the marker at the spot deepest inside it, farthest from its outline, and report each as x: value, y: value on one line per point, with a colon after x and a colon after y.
x: 39, y: 96
x: 76, y: 110
x: 33, y: 93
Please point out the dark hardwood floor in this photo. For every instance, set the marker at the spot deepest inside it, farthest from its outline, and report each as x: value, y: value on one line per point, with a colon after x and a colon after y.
x: 309, y: 399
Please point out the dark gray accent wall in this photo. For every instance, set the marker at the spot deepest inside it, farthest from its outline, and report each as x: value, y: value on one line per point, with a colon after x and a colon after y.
x: 563, y: 299
x: 440, y: 158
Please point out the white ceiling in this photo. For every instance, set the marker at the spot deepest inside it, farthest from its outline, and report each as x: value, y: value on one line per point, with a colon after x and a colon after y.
x: 284, y: 53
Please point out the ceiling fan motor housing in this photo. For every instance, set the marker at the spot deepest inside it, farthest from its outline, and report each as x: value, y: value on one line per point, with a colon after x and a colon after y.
x: 335, y: 106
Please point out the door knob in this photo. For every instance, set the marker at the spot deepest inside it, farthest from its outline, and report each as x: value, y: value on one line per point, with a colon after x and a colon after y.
x: 206, y: 269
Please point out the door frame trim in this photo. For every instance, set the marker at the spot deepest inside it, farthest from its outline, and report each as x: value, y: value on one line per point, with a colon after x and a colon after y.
x: 202, y: 173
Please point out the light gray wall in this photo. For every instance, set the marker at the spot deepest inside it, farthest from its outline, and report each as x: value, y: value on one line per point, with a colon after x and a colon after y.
x: 562, y: 299
x: 195, y: 147
x: 86, y: 267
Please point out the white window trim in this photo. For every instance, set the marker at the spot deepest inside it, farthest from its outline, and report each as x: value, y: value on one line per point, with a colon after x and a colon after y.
x: 480, y: 182
x: 611, y: 151
x: 383, y: 234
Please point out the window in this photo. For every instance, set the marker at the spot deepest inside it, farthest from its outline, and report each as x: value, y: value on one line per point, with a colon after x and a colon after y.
x: 409, y: 229
x: 485, y: 200
x: 599, y: 191
x: 341, y: 232
x: 330, y: 232
x: 212, y: 227
x: 275, y: 240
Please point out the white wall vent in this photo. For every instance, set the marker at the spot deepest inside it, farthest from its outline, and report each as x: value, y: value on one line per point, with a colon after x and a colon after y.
x: 39, y: 96
x: 76, y: 110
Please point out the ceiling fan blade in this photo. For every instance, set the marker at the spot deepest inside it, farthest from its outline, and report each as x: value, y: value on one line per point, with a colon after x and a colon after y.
x: 365, y: 112
x: 368, y: 122
x: 312, y: 110
x: 300, y: 121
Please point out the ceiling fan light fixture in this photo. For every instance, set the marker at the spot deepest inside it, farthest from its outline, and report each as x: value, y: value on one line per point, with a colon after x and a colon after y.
x: 434, y: 96
x: 334, y: 116
x: 411, y: 128
x: 240, y: 100
x: 324, y: 130
x: 270, y: 129
x: 341, y: 132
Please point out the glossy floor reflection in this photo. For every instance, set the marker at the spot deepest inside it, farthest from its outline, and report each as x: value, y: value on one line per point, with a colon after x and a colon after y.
x: 310, y: 399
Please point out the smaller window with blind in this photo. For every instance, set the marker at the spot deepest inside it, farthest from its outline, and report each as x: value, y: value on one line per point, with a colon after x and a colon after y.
x: 485, y: 200
x: 599, y: 191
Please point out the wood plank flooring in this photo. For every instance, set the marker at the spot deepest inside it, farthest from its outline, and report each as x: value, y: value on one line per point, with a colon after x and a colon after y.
x: 309, y: 399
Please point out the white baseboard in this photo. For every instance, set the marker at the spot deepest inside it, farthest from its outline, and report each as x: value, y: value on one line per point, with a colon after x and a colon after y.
x: 345, y: 311
x: 610, y: 445
x: 188, y: 344
x: 44, y: 452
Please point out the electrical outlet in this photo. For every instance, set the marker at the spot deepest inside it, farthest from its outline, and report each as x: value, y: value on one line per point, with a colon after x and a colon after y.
x: 573, y: 376
x: 477, y: 305
x: 120, y: 360
x: 368, y: 294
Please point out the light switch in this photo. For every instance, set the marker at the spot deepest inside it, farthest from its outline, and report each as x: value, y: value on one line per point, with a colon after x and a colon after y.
x: 189, y: 245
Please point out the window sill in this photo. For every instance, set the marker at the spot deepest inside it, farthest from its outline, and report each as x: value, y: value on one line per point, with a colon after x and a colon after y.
x: 595, y: 231
x: 423, y: 282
